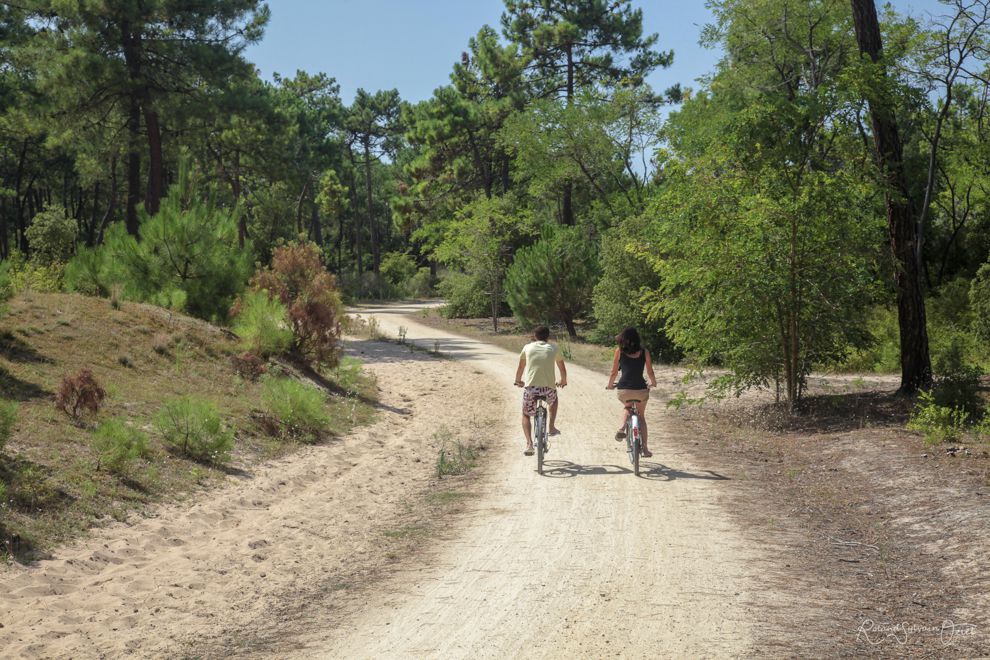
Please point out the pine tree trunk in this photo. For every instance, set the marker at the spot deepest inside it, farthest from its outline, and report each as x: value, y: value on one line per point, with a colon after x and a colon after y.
x: 567, y: 215
x: 916, y: 368
x: 153, y: 197
x: 376, y: 248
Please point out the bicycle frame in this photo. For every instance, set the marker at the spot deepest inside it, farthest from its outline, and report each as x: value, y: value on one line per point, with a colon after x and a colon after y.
x: 634, y: 441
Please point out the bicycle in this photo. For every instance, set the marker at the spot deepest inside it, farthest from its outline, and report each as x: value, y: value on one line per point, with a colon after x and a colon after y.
x: 634, y: 441
x: 541, y: 437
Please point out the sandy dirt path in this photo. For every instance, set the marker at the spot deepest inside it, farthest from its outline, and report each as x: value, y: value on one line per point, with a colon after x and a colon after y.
x: 227, y: 573
x: 291, y: 560
x: 587, y: 561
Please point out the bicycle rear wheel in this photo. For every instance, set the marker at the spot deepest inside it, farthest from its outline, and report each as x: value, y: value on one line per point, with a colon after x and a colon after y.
x: 630, y: 441
x: 541, y: 437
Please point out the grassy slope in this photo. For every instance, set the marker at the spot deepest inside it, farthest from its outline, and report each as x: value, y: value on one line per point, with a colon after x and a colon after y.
x: 142, y: 355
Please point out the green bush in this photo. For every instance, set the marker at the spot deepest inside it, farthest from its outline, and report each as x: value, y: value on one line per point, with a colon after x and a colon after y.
x: 8, y: 416
x: 118, y: 445
x: 22, y: 274
x: 420, y: 285
x: 262, y: 323
x: 465, y: 297
x: 979, y: 300
x: 300, y: 409
x: 939, y: 423
x: 193, y: 427
x: 187, y: 259
x: 617, y: 298
x: 52, y: 236
x: 398, y: 268
x: 957, y: 384
x: 553, y: 279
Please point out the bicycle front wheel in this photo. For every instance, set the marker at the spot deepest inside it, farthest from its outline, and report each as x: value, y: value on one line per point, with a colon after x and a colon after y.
x: 541, y: 438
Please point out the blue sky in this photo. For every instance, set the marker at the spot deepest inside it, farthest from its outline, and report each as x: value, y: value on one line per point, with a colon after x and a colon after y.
x: 412, y: 44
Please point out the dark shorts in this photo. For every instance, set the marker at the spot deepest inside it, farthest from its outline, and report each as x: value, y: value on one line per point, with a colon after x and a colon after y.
x: 530, y: 395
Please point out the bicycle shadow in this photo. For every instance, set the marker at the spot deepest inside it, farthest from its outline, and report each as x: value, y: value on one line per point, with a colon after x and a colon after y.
x: 651, y: 470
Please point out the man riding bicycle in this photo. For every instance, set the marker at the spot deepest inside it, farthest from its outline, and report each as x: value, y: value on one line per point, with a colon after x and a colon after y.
x: 536, y: 375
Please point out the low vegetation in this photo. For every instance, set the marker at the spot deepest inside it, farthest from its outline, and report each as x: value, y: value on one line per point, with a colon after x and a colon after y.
x: 298, y: 408
x: 175, y: 419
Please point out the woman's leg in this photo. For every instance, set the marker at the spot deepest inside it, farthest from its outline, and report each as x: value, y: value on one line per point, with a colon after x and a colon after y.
x: 643, y: 431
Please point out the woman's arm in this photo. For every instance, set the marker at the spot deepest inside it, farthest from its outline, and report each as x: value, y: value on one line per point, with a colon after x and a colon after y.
x: 649, y: 370
x: 615, y: 370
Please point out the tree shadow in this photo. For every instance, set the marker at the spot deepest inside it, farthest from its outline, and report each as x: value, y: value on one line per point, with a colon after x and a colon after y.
x: 12, y: 387
x: 837, y: 413
x: 16, y: 349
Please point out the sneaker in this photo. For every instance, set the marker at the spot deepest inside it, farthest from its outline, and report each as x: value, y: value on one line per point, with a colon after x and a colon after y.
x: 620, y: 435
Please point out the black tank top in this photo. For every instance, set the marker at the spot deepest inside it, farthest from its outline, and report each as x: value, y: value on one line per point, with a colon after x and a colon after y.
x: 631, y: 369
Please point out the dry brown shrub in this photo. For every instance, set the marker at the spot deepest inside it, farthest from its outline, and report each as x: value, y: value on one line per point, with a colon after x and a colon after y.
x: 80, y: 394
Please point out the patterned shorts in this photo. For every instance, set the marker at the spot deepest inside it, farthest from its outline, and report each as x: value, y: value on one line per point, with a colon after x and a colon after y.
x: 530, y: 395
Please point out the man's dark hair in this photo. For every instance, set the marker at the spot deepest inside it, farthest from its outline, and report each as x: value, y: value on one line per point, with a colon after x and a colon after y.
x: 541, y: 332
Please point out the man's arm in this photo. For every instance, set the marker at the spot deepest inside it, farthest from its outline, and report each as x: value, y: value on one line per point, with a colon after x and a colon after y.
x: 563, y: 372
x: 519, y: 372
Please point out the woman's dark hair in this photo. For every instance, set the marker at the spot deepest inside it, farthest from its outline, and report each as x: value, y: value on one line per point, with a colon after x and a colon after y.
x: 629, y: 340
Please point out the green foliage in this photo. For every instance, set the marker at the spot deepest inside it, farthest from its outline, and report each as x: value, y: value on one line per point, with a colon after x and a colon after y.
x: 464, y: 297
x: 187, y: 259
x: 262, y: 323
x: 398, y: 268
x: 553, y: 279
x: 52, y: 236
x: 420, y: 285
x: 480, y: 241
x: 8, y: 416
x: 119, y: 445
x: 939, y: 423
x: 979, y: 300
x: 957, y: 384
x: 19, y: 274
x: 299, y: 408
x: 193, y: 427
x: 618, y: 298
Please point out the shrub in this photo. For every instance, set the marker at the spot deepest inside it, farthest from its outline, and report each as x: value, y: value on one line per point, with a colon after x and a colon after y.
x: 248, y: 365
x: 939, y: 423
x: 552, y: 280
x: 262, y: 323
x: 398, y: 268
x: 979, y: 300
x: 298, y: 279
x: 188, y: 257
x: 22, y: 274
x: 193, y: 427
x: 957, y: 384
x: 162, y: 344
x: 80, y: 394
x: 52, y: 236
x: 465, y: 297
x: 617, y: 298
x: 420, y: 285
x: 299, y: 408
x: 8, y: 416
x: 118, y: 445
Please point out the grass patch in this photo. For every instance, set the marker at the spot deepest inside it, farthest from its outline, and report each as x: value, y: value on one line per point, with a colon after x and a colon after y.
x: 406, y: 532
x: 454, y: 457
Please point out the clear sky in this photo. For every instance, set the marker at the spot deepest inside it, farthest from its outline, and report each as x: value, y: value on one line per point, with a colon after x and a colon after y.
x: 412, y: 44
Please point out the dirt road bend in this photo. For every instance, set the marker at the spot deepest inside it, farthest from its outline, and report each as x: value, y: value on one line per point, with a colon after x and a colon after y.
x: 587, y: 561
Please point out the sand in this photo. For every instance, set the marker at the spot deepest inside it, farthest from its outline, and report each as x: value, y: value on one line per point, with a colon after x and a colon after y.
x: 586, y: 561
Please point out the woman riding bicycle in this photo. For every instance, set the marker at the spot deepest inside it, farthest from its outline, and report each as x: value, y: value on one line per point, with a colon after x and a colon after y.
x: 631, y: 359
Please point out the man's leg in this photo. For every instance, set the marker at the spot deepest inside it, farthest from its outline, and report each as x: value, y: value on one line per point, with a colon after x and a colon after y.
x: 553, y: 418
x: 527, y: 431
